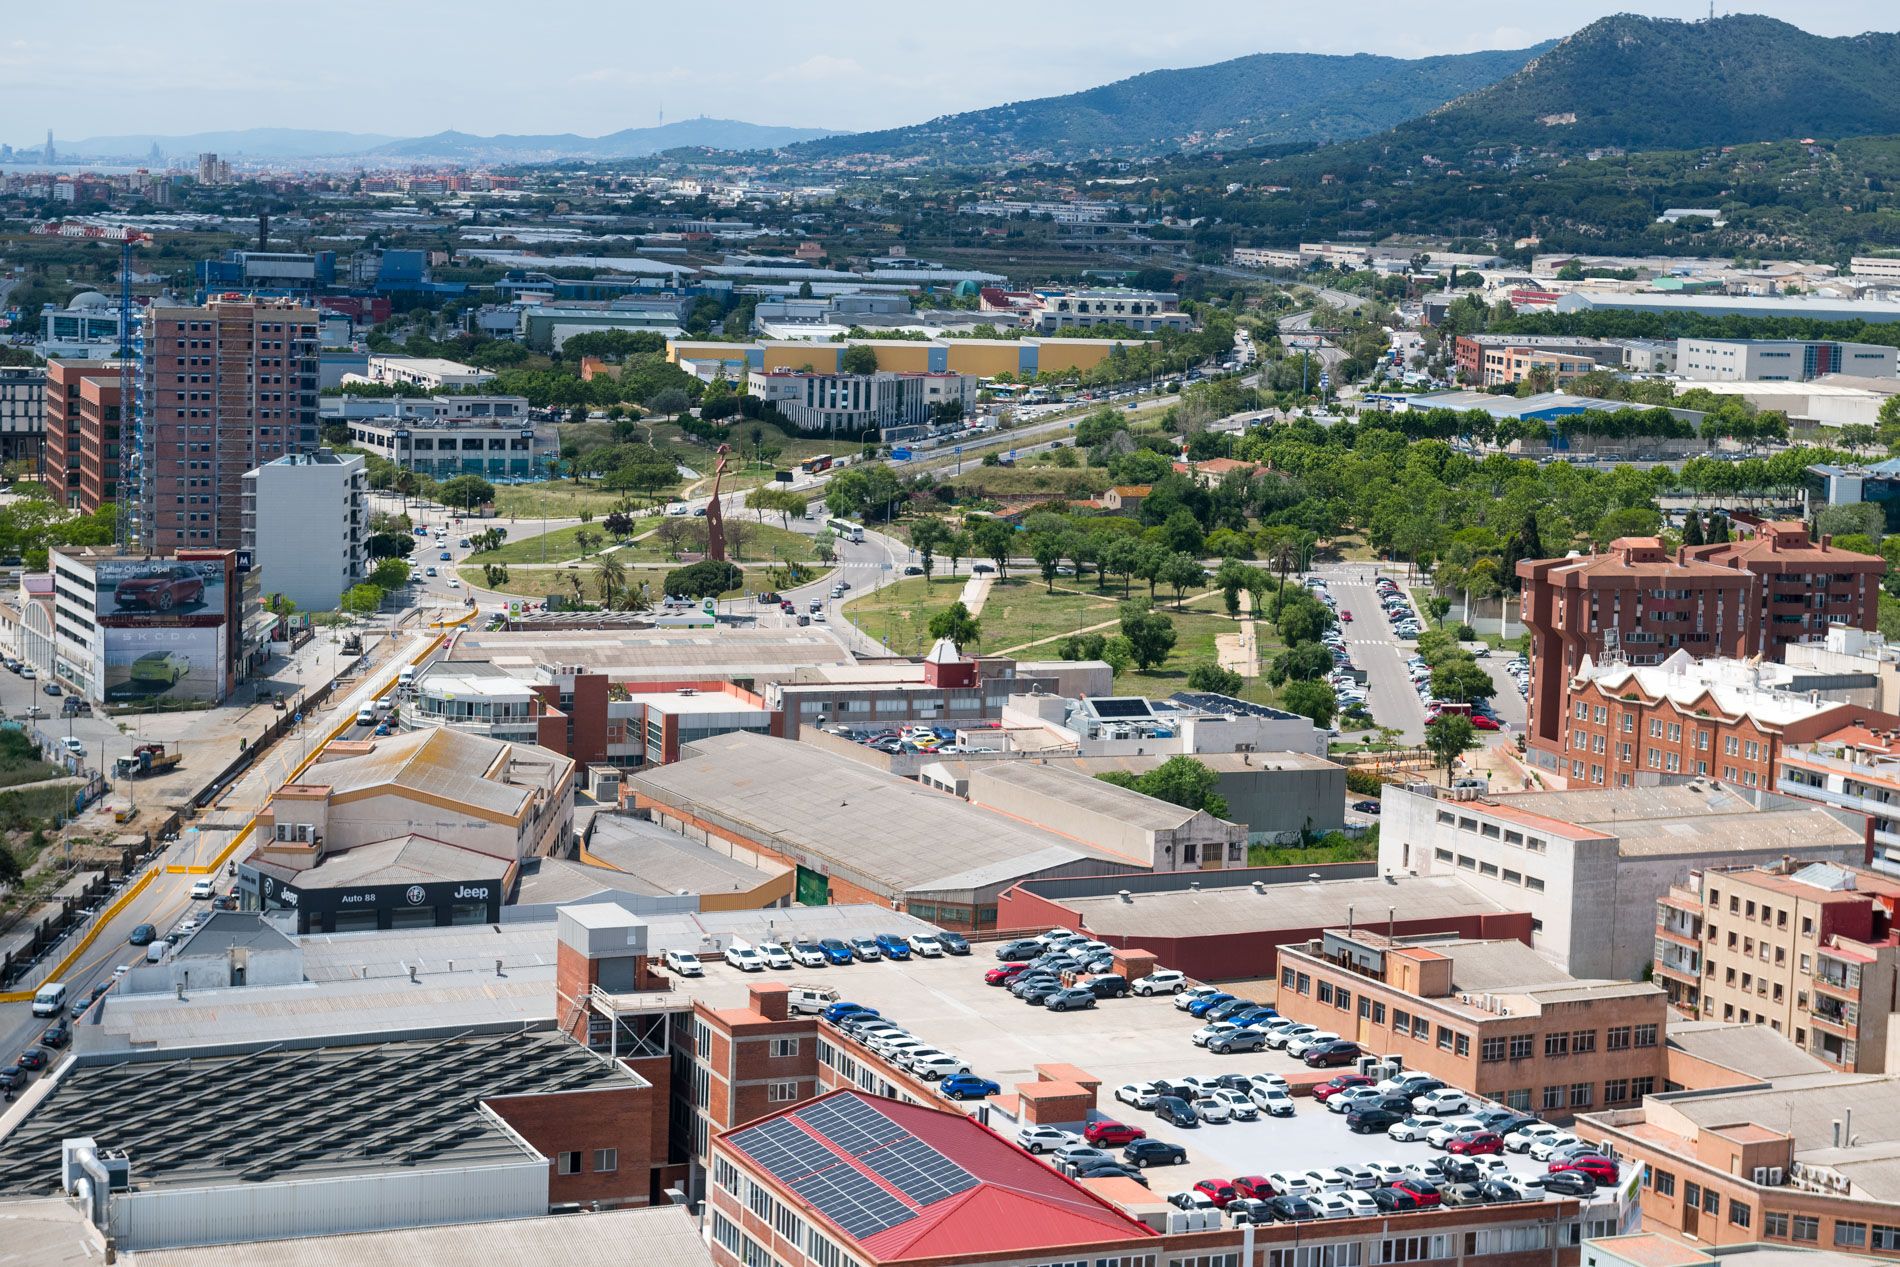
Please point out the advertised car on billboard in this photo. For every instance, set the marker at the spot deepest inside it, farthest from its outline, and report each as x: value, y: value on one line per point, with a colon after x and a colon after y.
x: 158, y: 588
x: 152, y: 664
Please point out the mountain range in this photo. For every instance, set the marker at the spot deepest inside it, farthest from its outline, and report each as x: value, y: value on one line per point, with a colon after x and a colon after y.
x: 298, y: 143
x: 1260, y: 99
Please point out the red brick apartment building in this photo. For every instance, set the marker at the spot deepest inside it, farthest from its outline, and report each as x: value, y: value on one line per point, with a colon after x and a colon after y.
x: 1687, y: 717
x: 1737, y: 599
x: 82, y: 431
x: 223, y: 389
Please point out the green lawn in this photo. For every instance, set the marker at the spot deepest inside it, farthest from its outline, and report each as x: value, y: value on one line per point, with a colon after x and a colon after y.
x: 1019, y: 610
x: 1078, y: 482
x: 747, y: 542
x: 555, y: 546
x: 556, y: 499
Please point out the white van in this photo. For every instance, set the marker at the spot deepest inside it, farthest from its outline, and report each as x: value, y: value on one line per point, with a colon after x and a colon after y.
x: 406, y: 680
x: 682, y: 965
x: 366, y: 716
x: 157, y: 950
x: 50, y: 999
x: 810, y: 998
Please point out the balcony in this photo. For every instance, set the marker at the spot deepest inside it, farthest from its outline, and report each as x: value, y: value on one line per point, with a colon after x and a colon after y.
x: 1844, y: 1023
x: 1685, y: 972
x: 1840, y: 985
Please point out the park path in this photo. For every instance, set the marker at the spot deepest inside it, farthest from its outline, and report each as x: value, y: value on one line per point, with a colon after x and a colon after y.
x: 1240, y: 652
x: 976, y: 592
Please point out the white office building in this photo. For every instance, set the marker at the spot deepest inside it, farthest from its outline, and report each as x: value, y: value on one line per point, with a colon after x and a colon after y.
x: 1781, y: 360
x: 431, y: 373
x: 306, y: 524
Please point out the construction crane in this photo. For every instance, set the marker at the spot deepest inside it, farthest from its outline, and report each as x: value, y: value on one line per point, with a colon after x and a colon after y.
x: 132, y: 457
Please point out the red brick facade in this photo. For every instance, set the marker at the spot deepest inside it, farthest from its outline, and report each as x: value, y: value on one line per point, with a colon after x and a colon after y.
x: 600, y: 1144
x: 71, y: 417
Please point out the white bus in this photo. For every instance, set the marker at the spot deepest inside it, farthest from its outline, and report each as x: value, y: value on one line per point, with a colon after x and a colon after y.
x: 845, y: 530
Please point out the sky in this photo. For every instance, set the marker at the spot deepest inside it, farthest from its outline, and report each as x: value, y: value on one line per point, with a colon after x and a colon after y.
x: 414, y: 67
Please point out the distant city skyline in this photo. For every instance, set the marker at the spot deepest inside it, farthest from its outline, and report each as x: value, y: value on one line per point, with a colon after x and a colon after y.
x: 485, y: 66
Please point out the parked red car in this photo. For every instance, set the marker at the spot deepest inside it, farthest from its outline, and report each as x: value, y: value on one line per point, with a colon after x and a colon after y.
x: 1345, y: 616
x: 1255, y: 1188
x: 1426, y: 1194
x: 1004, y: 974
x: 1219, y: 1191
x: 1601, y: 1169
x: 1481, y: 722
x: 1112, y: 1134
x: 1483, y: 1144
x: 1333, y: 1086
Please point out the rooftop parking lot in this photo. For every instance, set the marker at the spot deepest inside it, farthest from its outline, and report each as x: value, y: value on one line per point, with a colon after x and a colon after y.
x: 946, y: 1004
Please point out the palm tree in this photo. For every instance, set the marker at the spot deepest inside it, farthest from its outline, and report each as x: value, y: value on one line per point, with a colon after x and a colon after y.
x: 612, y: 574
x: 579, y: 586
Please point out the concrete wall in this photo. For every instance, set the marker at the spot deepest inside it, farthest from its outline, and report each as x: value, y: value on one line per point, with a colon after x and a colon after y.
x: 1276, y: 805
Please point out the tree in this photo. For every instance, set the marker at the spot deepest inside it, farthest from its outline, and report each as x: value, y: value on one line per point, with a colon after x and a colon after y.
x: 362, y: 600
x: 1314, y: 700
x: 390, y: 574
x: 1439, y: 606
x: 612, y: 575
x: 1150, y: 635
x: 1447, y: 738
x: 707, y: 578
x: 1305, y: 663
x: 585, y: 540
x: 1047, y: 549
x: 1692, y: 529
x: 669, y: 402
x: 1211, y: 677
x: 957, y: 624
x: 1179, y: 781
x: 465, y: 492
x: 957, y: 547
x: 858, y: 359
x: 672, y: 534
x: 1459, y: 678
x: 928, y: 535
x: 1084, y: 646
x: 995, y: 539
x: 1182, y: 572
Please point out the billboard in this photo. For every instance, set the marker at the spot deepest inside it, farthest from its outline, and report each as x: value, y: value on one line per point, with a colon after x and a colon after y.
x: 158, y: 591
x: 148, y: 663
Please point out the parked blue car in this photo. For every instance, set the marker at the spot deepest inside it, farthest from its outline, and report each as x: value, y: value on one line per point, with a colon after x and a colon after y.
x: 1200, y: 1006
x: 893, y: 946
x: 967, y: 1086
x: 843, y: 1008
x: 835, y: 951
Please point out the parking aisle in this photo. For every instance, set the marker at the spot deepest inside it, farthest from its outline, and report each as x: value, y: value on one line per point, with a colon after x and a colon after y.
x: 1375, y: 649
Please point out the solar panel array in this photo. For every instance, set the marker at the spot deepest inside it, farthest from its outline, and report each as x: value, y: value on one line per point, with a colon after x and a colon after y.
x: 846, y: 1189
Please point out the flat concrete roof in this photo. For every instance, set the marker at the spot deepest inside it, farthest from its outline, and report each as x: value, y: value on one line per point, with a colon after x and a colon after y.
x: 666, y: 1236
x: 872, y: 828
x: 667, y: 862
x: 1753, y: 1050
x: 1687, y: 818
x: 658, y: 654
x: 1215, y: 910
x: 1081, y: 791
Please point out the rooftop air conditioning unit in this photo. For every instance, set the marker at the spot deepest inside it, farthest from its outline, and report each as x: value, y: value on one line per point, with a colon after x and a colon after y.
x: 1775, y: 1176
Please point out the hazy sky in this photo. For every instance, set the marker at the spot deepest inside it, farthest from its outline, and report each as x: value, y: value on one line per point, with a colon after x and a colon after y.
x: 411, y: 67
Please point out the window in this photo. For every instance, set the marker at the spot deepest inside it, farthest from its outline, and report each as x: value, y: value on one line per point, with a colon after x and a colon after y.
x: 567, y: 1163
x: 1582, y: 1041
x: 784, y: 1046
x: 1808, y: 1228
x: 782, y: 1092
x: 1711, y: 1201
x: 1462, y: 1045
x: 1521, y: 1046
x: 1556, y: 1045
x: 1444, y: 1038
x: 1640, y: 1087
x: 1616, y: 1091
x: 1739, y: 1214
x: 1616, y: 1038
x: 1286, y: 978
x: 1553, y: 1097
x: 1580, y: 1094
x: 1775, y: 1226
x: 1421, y: 1029
x: 1378, y: 1013
x: 1401, y: 1021
x: 1325, y: 992
x: 1850, y: 1235
x: 1342, y: 999
x: 1302, y: 983
x: 1491, y: 1050
x: 1663, y: 1182
x: 1692, y: 1195
x: 606, y: 1160
x: 1645, y: 1035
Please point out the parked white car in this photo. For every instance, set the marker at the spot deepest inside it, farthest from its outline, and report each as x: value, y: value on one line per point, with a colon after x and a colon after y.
x: 1543, y: 1148
x: 682, y: 965
x: 926, y: 945
x: 1208, y: 1033
x: 1520, y: 1141
x: 1297, y: 1047
x: 1358, y: 1176
x: 1331, y: 1205
x: 1292, y: 1183
x: 1388, y: 1172
x: 1285, y: 1034
x: 1412, y: 1128
x: 1270, y: 1081
x: 1242, y: 1108
x: 1184, y: 999
x: 1161, y: 981
x: 1273, y: 1102
x: 809, y: 956
x: 1401, y: 1084
x: 1443, y: 1101
x: 744, y: 958
x: 936, y: 1064
x: 1440, y: 1136
x: 1213, y: 1110
x: 1530, y: 1187
x: 775, y: 955
x: 1343, y: 1101
x: 1140, y: 1095
x: 1043, y: 1139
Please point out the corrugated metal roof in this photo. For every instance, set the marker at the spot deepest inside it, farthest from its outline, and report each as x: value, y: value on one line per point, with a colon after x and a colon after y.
x: 1237, y: 908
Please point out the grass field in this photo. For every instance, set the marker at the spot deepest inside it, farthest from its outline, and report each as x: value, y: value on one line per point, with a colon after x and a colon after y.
x: 556, y: 499
x: 555, y: 546
x: 1018, y: 481
x: 753, y: 542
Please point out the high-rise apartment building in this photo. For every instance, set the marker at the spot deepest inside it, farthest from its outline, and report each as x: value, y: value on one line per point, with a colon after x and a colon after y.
x: 1638, y: 601
x: 82, y: 400
x: 22, y: 412
x: 306, y: 521
x: 1808, y: 950
x: 223, y: 389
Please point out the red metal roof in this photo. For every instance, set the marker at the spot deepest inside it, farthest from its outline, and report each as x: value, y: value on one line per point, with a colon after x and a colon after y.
x: 1019, y: 1206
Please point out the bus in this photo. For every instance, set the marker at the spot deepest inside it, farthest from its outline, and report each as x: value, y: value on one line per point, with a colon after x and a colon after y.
x: 813, y: 465
x: 845, y: 530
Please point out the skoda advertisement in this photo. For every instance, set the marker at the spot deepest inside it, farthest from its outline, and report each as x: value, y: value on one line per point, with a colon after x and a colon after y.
x: 154, y: 591
x: 145, y: 664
